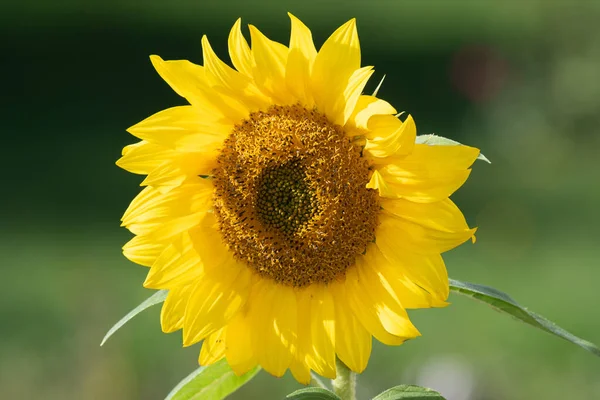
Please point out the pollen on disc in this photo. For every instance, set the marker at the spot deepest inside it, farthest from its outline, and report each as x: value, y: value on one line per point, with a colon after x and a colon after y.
x: 291, y: 196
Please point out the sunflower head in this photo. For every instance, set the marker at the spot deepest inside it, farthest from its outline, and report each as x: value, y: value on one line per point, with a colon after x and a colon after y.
x: 291, y: 217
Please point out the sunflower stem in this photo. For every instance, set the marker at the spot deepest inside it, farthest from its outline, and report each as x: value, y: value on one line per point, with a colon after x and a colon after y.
x: 344, y: 385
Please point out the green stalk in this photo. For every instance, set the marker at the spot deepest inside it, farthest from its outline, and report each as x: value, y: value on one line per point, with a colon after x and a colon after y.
x: 344, y: 385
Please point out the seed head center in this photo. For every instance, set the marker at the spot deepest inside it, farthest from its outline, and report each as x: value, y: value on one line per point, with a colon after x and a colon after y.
x: 291, y: 197
x: 284, y: 199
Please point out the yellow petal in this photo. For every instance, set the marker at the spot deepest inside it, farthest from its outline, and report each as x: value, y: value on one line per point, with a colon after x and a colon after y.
x: 143, y: 250
x: 340, y: 109
x: 363, y: 307
x: 428, y: 174
x: 143, y: 157
x: 425, y: 270
x: 391, y: 314
x: 420, y: 238
x: 352, y: 92
x: 170, y: 175
x: 269, y: 72
x: 182, y: 128
x: 321, y: 358
x: 230, y: 82
x: 178, y: 265
x: 177, y: 225
x: 388, y: 136
x: 173, y: 309
x: 188, y: 80
x: 442, y: 222
x: 300, y: 371
x: 395, y: 280
x: 215, y: 300
x: 166, y: 168
x: 239, y: 51
x: 442, y: 216
x: 335, y: 63
x: 300, y: 61
x: 378, y: 183
x: 165, y: 214
x: 272, y: 309
x: 302, y: 346
x: 213, y: 348
x: 352, y: 341
x: 366, y: 107
x: 209, y: 244
x: 239, y: 352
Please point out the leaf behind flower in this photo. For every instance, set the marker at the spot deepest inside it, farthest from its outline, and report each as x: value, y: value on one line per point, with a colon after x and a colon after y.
x: 435, y: 140
x: 156, y: 298
x: 505, y: 304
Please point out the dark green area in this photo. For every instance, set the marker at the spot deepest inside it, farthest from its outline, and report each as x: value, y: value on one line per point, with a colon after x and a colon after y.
x: 519, y: 80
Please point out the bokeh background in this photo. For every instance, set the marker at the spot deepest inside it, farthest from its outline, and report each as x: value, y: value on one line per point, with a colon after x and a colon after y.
x: 518, y: 79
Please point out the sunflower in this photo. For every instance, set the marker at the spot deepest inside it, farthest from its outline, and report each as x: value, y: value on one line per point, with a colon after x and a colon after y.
x: 290, y: 217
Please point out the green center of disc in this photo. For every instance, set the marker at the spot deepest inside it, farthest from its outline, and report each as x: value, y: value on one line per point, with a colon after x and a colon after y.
x: 284, y: 199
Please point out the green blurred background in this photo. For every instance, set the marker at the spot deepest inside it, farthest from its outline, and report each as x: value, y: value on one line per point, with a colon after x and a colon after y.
x: 518, y: 79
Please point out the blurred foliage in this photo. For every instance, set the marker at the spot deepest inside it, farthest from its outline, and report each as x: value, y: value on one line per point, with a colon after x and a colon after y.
x: 517, y: 79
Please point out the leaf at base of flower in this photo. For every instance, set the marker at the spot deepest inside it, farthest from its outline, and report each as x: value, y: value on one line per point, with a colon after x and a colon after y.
x: 410, y: 392
x: 213, y: 382
x: 312, y: 393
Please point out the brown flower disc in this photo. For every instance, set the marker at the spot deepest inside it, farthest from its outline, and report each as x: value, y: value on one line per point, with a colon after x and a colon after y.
x: 291, y: 196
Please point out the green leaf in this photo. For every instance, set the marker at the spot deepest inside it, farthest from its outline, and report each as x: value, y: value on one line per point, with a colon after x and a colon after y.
x: 214, y: 382
x: 435, y: 140
x: 312, y: 393
x: 409, y: 392
x: 156, y: 298
x: 504, y: 303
